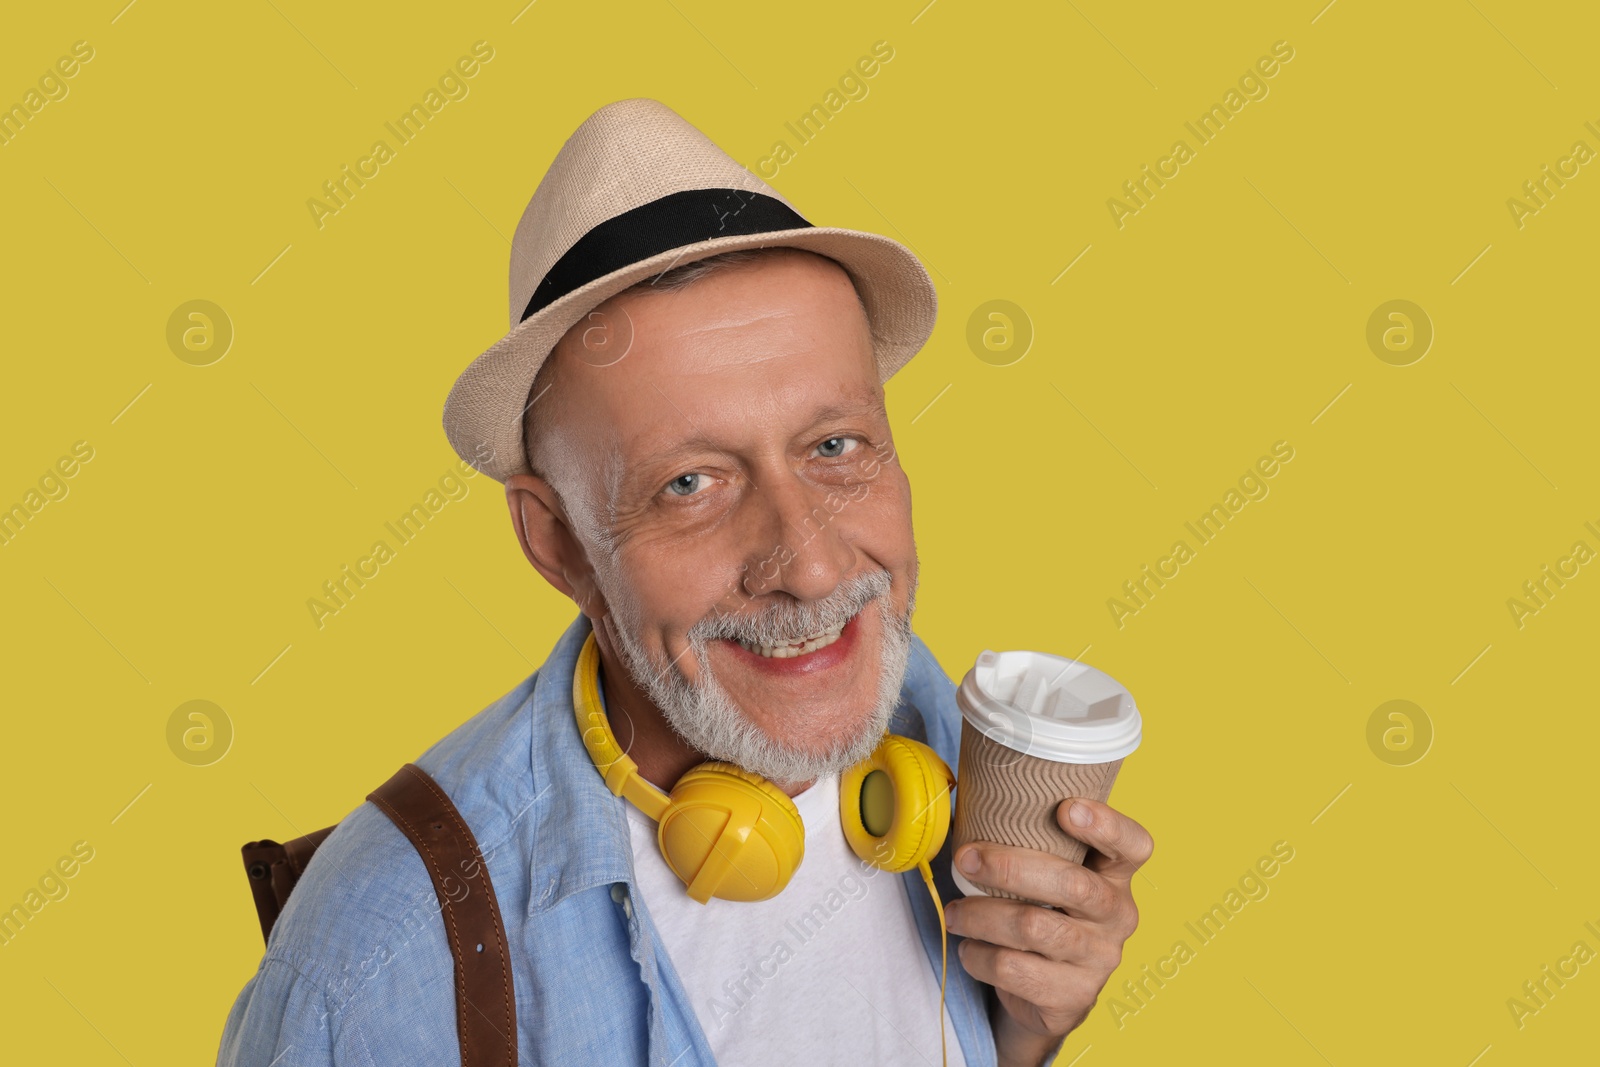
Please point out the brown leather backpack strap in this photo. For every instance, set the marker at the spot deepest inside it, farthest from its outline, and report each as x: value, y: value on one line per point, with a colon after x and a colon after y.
x: 261, y: 859
x: 275, y: 869
x: 485, y: 1001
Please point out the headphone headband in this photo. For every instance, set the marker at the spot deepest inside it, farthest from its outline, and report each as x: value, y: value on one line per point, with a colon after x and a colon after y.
x: 619, y: 770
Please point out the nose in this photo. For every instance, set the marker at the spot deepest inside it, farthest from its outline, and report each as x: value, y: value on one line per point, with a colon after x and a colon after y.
x: 812, y: 555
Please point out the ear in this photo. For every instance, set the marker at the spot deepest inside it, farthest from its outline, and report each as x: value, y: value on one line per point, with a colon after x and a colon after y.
x: 546, y: 535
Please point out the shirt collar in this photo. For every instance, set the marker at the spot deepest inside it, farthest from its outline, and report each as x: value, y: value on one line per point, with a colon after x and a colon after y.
x: 580, y: 835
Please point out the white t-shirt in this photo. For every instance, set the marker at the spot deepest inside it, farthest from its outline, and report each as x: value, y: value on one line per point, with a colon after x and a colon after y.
x: 831, y: 970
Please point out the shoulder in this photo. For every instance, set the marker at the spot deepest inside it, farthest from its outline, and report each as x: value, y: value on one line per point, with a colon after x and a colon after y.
x: 361, y: 934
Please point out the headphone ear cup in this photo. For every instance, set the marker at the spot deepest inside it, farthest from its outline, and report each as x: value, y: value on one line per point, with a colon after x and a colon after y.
x: 894, y: 805
x: 731, y: 834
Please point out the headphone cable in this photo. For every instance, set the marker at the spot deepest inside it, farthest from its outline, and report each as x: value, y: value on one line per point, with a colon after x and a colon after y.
x: 944, y: 941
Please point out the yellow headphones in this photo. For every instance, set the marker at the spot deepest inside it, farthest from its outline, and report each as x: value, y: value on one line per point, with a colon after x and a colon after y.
x: 734, y: 835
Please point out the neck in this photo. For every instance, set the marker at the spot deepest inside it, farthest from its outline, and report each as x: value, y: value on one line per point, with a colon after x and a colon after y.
x: 642, y: 730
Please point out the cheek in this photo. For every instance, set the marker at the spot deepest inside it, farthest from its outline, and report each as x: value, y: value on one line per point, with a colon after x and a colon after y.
x: 668, y: 589
x: 880, y: 523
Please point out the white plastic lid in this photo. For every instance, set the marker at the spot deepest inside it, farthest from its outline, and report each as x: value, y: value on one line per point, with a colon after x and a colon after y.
x: 1050, y: 707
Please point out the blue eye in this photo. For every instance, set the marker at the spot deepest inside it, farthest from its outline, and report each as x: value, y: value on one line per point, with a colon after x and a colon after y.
x: 839, y: 442
x: 678, y: 488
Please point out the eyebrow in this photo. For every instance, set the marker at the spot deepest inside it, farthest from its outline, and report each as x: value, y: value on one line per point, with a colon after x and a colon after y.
x: 657, y: 458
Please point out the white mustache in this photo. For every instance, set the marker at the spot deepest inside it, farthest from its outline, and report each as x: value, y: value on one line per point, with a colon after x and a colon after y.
x: 786, y: 622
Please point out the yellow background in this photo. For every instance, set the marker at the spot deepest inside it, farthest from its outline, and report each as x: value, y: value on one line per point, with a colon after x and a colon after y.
x: 1226, y: 315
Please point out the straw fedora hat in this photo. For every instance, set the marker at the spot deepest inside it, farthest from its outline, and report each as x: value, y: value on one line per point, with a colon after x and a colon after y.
x: 634, y: 191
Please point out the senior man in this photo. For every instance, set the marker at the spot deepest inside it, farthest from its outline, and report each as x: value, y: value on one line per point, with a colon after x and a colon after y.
x: 688, y: 418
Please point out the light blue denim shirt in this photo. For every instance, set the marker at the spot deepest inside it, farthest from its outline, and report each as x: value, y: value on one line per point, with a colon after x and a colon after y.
x: 358, y: 972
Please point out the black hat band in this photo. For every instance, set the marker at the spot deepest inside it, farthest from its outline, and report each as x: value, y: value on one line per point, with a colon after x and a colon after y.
x: 672, y: 221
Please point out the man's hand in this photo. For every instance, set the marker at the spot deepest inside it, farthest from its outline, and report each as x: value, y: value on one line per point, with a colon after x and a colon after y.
x: 1048, y: 966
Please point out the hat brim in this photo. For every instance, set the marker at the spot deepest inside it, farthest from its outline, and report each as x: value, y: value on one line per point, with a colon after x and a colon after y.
x: 484, y: 411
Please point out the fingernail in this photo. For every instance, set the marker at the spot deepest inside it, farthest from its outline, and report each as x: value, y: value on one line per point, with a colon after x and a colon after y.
x: 969, y: 861
x: 1080, y: 815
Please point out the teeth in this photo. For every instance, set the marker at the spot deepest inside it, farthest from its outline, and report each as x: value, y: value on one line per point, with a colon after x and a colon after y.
x: 795, y: 648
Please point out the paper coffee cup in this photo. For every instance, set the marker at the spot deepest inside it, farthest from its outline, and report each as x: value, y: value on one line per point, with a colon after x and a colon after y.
x: 1035, y: 730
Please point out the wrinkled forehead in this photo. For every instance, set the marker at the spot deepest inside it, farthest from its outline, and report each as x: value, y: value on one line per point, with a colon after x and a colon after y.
x: 721, y: 375
x: 772, y: 415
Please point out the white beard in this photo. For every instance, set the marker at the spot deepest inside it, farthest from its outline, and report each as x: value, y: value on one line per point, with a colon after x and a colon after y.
x: 706, y: 717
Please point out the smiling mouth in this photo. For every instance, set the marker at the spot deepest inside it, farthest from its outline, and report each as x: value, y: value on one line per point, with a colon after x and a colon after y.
x: 798, y: 647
